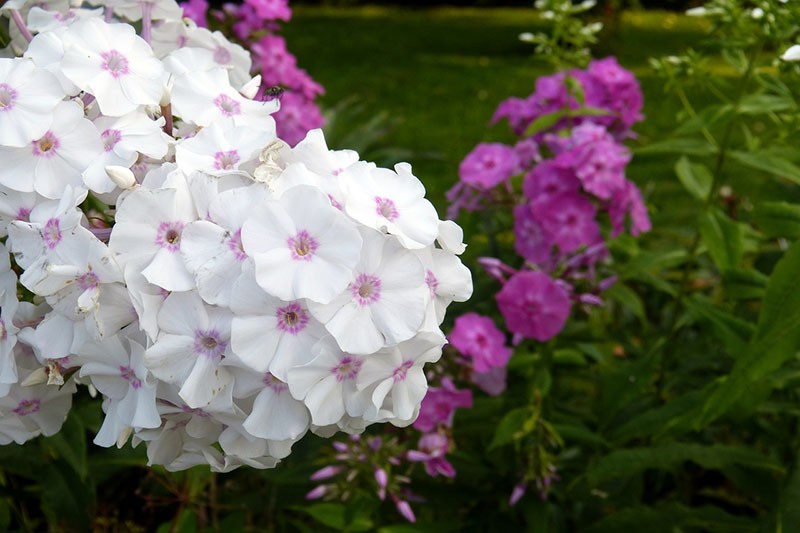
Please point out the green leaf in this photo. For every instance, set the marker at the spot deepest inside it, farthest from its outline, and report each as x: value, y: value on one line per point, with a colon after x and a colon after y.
x: 778, y: 219
x: 695, y: 178
x: 544, y: 122
x: 731, y: 330
x: 70, y: 443
x: 578, y: 434
x: 788, y: 512
x: 707, y: 118
x: 670, y: 518
x: 685, y: 146
x: 774, y: 342
x: 655, y: 420
x: 631, y: 461
x: 334, y: 515
x: 744, y: 284
x: 66, y: 498
x: 768, y: 162
x: 628, y: 298
x: 723, y: 238
x: 755, y: 104
x: 511, y: 427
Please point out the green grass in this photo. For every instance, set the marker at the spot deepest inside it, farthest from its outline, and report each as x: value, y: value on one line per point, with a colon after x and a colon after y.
x: 440, y: 73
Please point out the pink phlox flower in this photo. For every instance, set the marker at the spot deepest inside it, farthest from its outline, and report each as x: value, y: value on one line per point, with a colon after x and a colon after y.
x: 548, y: 179
x: 197, y: 10
x: 628, y: 203
x: 296, y: 117
x: 271, y: 9
x: 534, y: 305
x: 530, y: 240
x: 478, y: 338
x: 432, y: 450
x: 568, y: 221
x: 440, y: 404
x: 488, y: 165
x: 492, y: 382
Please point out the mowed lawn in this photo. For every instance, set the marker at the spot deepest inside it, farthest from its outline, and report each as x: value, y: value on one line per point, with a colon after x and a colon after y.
x: 438, y: 75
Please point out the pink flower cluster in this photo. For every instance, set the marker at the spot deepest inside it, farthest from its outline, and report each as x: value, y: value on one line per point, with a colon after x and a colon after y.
x: 573, y: 176
x: 254, y: 24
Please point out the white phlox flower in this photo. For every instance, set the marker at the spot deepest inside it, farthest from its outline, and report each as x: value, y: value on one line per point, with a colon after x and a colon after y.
x: 113, y: 64
x: 395, y: 376
x: 116, y: 369
x: 190, y: 348
x: 223, y: 149
x: 124, y: 138
x: 269, y: 334
x: 28, y: 98
x: 447, y: 279
x: 327, y: 384
x: 384, y: 302
x: 391, y: 202
x: 302, y: 246
x: 56, y: 159
x: 275, y: 415
x: 226, y: 54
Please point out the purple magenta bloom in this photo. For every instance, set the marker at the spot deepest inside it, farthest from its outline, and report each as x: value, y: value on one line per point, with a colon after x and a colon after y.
x: 477, y: 337
x: 530, y: 240
x: 547, y: 179
x: 271, y: 9
x: 488, y: 165
x: 492, y: 382
x: 439, y: 405
x: 628, y: 202
x: 621, y: 92
x: 568, y: 221
x: 196, y: 10
x: 534, y: 305
x: 296, y: 117
x: 432, y: 449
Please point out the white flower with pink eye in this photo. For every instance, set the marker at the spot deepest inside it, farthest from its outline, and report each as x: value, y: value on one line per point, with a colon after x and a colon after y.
x: 396, y: 378
x: 327, y: 384
x: 124, y: 138
x: 385, y: 302
x: 223, y: 149
x: 43, y: 232
x: 302, y: 246
x: 116, y: 369
x: 271, y: 334
x: 114, y: 65
x: 36, y: 410
x: 207, y: 97
x: 28, y: 97
x: 275, y: 414
x: 56, y: 159
x: 8, y: 330
x: 148, y: 229
x: 226, y: 54
x: 313, y: 152
x: 193, y: 342
x: 447, y: 279
x: 391, y: 202
x: 212, y: 248
x: 15, y: 205
x: 47, y: 50
x: 170, y: 35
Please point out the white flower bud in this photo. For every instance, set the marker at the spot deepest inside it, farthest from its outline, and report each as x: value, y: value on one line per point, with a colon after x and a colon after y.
x: 121, y: 176
x: 250, y: 88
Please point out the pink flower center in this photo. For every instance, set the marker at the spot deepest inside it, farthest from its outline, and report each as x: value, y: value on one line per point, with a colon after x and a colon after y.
x: 115, y: 63
x: 292, y: 318
x: 226, y: 160
x: 227, y: 105
x: 168, y: 235
x: 347, y: 368
x: 7, y: 97
x: 401, y: 371
x: 302, y: 246
x: 24, y: 214
x: 209, y: 343
x: 47, y: 146
x: 110, y: 139
x: 3, y: 330
x: 51, y: 233
x: 27, y: 407
x: 386, y: 208
x: 235, y: 245
x: 129, y: 375
x: 222, y: 55
x: 87, y: 281
x: 274, y: 383
x: 366, y: 289
x: 431, y: 282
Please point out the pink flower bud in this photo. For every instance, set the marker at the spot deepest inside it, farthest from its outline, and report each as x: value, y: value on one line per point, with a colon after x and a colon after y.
x: 325, y: 473
x: 517, y: 493
x: 405, y: 509
x: 381, y: 477
x: 317, y: 492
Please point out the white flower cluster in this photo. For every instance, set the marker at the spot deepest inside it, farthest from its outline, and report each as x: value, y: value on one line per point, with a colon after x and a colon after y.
x: 240, y: 292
